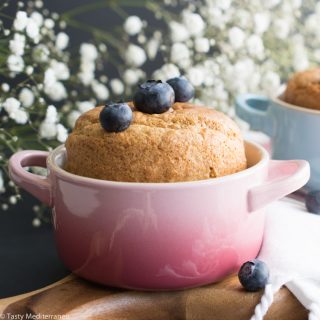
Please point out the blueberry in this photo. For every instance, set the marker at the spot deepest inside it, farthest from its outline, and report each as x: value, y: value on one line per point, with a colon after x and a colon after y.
x: 115, y: 117
x: 253, y: 275
x: 313, y: 202
x: 153, y: 97
x: 183, y: 89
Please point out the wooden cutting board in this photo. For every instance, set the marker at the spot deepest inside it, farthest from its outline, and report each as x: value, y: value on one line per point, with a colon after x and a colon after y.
x: 75, y: 298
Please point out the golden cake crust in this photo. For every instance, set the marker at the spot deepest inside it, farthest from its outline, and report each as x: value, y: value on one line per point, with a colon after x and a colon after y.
x: 186, y: 143
x: 303, y: 89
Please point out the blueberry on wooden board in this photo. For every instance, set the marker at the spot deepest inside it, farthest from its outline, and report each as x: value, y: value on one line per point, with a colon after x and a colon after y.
x: 254, y: 275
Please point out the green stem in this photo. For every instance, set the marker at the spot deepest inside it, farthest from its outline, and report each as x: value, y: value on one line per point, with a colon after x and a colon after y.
x: 167, y: 16
x: 119, y: 11
x: 103, y: 35
x: 9, y: 145
x: 102, y: 4
x: 6, y: 16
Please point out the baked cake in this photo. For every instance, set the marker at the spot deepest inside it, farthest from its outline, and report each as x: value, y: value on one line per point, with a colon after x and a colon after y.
x: 185, y: 143
x: 303, y: 89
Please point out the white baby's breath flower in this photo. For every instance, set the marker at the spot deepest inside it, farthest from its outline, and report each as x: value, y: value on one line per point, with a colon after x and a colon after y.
x: 209, y: 79
x: 281, y: 28
x: 56, y: 91
x: 312, y: 22
x: 17, y: 44
x: 178, y: 32
x: 300, y: 59
x: 117, y: 86
x: 179, y: 53
x: 20, y: 116
x: 271, y: 3
x: 243, y: 68
x: 88, y: 66
x: 202, y: 45
x: 41, y: 53
x: 102, y: 47
x: 167, y: 71
x: 244, y: 19
x: 88, y: 51
x: 255, y: 46
x: 216, y: 18
x: 100, y: 90
x: 270, y: 83
x: 261, y: 22
x: 223, y: 4
x: 21, y: 20
x: 196, y: 76
x: 29, y: 70
x: 86, y: 77
x: 193, y: 22
x: 72, y: 118
x: 13, y: 200
x: 132, y: 76
x: 49, y: 23
x: 32, y: 29
x: 38, y: 4
x: 236, y: 37
x: 62, y: 40
x: 36, y: 222
x: 51, y: 114
x: 87, y: 69
x: 103, y: 78
x: 62, y: 133
x: 85, y: 106
x: 133, y: 25
x: 48, y: 130
x: 49, y: 77
x: 37, y: 18
x: 26, y: 97
x: 135, y: 56
x: 5, y: 87
x: 11, y: 105
x: 152, y: 48
x: 141, y: 39
x: 15, y: 63
x: 220, y: 93
x: 60, y: 69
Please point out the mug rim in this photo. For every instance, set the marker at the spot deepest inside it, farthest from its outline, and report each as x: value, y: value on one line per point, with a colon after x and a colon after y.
x: 288, y: 105
x: 51, y: 164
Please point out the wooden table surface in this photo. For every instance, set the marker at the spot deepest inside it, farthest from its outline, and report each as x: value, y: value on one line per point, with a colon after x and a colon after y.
x: 75, y: 298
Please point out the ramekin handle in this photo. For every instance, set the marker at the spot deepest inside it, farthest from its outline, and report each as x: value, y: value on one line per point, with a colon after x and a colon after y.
x: 284, y: 177
x: 253, y: 108
x: 36, y: 185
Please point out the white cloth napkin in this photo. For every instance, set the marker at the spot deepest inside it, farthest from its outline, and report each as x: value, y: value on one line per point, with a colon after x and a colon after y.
x: 291, y: 249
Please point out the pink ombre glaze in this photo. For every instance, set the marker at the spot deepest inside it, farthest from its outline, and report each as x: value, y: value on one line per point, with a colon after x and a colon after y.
x: 158, y: 235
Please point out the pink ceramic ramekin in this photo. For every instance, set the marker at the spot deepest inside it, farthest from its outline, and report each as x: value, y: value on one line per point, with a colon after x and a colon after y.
x: 158, y: 235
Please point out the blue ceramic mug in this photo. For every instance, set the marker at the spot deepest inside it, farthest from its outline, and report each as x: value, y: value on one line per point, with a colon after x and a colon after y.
x: 295, y: 131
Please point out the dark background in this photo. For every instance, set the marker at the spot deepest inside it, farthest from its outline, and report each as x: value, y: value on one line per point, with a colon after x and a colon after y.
x: 28, y: 258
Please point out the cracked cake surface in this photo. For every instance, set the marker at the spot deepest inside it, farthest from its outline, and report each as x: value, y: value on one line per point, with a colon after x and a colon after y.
x: 186, y: 143
x: 303, y: 89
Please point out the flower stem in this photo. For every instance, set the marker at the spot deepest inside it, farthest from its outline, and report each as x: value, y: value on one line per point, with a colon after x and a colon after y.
x: 118, y: 10
x: 103, y: 35
x: 102, y: 4
x: 6, y: 16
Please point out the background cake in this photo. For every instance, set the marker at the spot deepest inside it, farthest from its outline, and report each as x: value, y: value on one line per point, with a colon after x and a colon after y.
x: 303, y: 89
x: 185, y: 143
